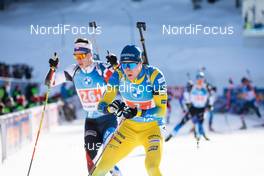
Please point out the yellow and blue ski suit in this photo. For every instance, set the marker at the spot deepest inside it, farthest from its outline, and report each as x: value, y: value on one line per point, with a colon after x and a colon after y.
x: 149, y: 94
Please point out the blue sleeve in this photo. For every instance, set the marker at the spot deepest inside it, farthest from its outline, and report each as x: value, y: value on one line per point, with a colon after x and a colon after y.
x: 159, y: 83
x: 114, y: 79
x: 159, y: 88
x: 103, y: 66
x: 102, y: 107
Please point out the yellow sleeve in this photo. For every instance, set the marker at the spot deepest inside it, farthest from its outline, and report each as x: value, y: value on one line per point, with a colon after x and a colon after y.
x: 160, y: 92
x: 109, y: 94
x: 107, y: 98
x: 161, y: 104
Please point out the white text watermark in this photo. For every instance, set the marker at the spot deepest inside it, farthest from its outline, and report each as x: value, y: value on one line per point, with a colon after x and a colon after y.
x: 197, y: 29
x: 133, y: 88
x: 63, y: 29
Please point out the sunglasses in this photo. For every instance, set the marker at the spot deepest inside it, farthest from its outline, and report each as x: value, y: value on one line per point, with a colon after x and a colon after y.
x: 131, y: 65
x: 80, y: 56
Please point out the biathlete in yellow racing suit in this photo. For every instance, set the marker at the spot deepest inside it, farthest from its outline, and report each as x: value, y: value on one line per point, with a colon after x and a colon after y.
x: 144, y: 98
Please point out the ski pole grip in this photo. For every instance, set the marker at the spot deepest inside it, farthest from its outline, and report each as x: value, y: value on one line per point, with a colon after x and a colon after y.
x: 142, y: 26
x: 93, y: 24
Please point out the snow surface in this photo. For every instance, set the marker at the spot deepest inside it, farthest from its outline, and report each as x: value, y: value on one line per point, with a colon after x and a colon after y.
x: 229, y: 152
x: 175, y: 55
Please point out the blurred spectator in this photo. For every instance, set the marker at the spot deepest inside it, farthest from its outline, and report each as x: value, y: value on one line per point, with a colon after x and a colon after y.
x: 2, y: 106
x: 249, y: 100
x: 28, y: 71
x: 4, y: 70
x: 17, y: 95
x: 19, y: 99
x: 197, y: 3
x: 68, y: 107
x: 32, y: 95
x: 18, y: 71
x: 64, y: 91
x: 16, y: 92
x: 230, y: 94
x: 9, y: 105
x: 238, y: 3
x: 3, y: 94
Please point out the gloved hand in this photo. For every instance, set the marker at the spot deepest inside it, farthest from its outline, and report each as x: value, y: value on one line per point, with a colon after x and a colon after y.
x: 163, y: 130
x: 54, y: 61
x: 102, y: 107
x: 210, y: 108
x: 129, y: 113
x: 117, y: 107
x: 200, y: 117
x: 188, y: 105
x: 111, y: 59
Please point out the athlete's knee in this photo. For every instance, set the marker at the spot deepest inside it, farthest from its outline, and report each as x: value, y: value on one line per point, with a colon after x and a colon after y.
x: 152, y: 166
x: 104, y: 166
x: 98, y: 173
x: 153, y: 169
x: 201, y: 129
x: 108, y: 133
x: 92, y: 148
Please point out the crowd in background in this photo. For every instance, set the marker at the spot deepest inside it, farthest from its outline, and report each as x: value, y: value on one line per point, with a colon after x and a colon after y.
x: 196, y: 3
x: 232, y: 98
x: 17, y: 95
x: 17, y: 71
x: 17, y: 90
x: 235, y: 96
x: 241, y: 99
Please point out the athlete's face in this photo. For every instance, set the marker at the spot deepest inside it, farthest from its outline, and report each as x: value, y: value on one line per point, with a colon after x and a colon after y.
x: 200, y: 82
x: 83, y: 59
x: 132, y: 69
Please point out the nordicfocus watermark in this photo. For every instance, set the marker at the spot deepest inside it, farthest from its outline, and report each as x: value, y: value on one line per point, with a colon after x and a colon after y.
x: 134, y: 88
x: 63, y: 29
x: 197, y: 29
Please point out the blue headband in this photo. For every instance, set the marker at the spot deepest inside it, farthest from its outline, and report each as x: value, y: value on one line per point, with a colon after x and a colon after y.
x: 85, y: 50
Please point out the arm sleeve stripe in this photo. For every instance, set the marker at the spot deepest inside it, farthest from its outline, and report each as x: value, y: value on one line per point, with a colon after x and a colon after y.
x: 153, y: 76
x: 119, y: 73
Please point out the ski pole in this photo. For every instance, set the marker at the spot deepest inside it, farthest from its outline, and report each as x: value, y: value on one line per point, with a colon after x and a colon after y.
x: 93, y: 25
x: 188, y: 76
x: 227, y: 121
x: 249, y: 75
x: 41, y: 119
x: 142, y: 26
x: 111, y: 138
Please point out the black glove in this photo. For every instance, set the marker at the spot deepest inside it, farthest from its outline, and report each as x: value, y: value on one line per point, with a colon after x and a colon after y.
x: 54, y: 61
x: 129, y: 113
x: 200, y: 117
x: 117, y: 107
x: 188, y: 105
x: 111, y: 59
x: 210, y: 107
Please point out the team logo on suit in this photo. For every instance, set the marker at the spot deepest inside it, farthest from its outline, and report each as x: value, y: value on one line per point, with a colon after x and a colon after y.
x: 88, y: 81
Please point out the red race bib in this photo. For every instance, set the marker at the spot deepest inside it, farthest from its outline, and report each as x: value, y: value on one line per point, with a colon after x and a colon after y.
x: 144, y: 105
x: 90, y: 95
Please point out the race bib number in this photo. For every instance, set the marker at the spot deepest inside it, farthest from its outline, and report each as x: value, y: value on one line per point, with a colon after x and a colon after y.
x: 90, y: 98
x: 199, y: 100
x: 144, y: 105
